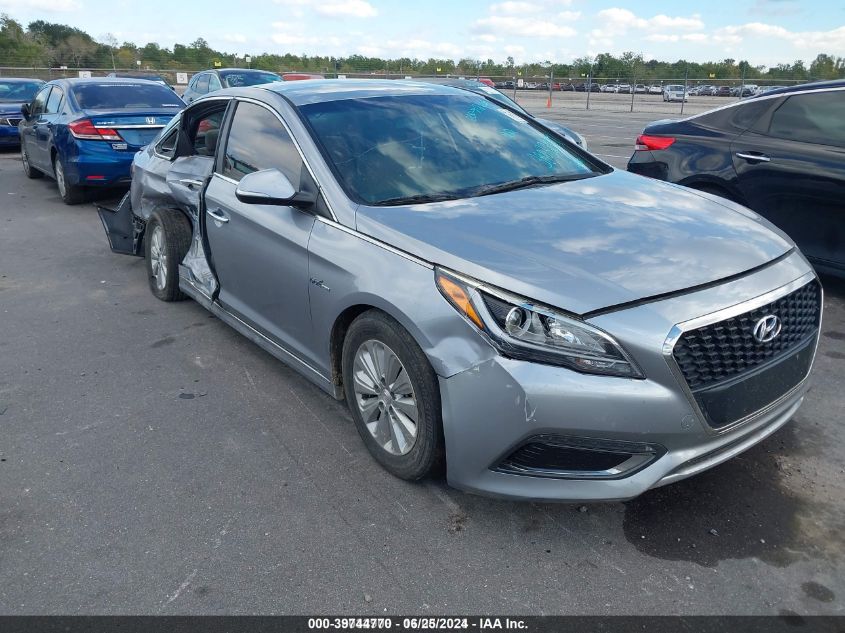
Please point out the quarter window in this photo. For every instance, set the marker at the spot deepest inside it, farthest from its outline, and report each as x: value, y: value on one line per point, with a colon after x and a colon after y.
x: 811, y: 118
x: 257, y: 140
x: 213, y: 83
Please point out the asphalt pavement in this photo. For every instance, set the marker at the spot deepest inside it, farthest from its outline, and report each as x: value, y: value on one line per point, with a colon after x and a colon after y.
x: 153, y: 461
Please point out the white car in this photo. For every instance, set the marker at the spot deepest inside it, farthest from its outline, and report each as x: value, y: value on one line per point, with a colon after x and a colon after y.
x: 674, y: 93
x: 655, y: 90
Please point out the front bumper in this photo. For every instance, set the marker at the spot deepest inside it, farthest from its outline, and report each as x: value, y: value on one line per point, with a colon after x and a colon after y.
x: 9, y: 136
x: 494, y: 408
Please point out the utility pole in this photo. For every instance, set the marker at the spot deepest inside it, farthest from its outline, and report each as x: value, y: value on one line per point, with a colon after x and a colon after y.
x: 684, y: 96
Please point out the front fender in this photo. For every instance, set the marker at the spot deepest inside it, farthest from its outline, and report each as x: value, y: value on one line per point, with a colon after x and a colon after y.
x: 349, y: 270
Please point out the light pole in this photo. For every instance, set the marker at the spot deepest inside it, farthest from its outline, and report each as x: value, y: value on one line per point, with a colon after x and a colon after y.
x: 248, y: 60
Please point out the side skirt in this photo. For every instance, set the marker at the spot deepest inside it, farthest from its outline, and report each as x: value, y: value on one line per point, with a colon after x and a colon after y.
x: 268, y: 345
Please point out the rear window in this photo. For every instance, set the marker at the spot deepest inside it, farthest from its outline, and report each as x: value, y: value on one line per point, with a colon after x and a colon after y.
x: 235, y: 80
x: 110, y: 96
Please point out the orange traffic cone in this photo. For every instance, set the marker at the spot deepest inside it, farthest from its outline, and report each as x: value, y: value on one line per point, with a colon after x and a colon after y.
x: 549, y: 102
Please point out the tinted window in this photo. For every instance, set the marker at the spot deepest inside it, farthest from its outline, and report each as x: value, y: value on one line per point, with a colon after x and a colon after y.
x: 54, y: 101
x: 387, y: 148
x: 257, y: 140
x: 40, y: 101
x: 247, y: 78
x: 18, y: 91
x: 109, y: 96
x: 202, y: 84
x: 812, y: 118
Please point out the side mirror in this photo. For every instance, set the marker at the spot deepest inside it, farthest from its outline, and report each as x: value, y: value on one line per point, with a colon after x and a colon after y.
x: 25, y: 111
x: 270, y: 186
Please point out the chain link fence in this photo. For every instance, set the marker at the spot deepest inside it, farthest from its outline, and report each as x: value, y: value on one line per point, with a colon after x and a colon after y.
x: 687, y: 95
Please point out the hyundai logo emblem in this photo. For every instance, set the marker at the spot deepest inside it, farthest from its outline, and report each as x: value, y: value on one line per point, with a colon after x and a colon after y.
x: 767, y: 329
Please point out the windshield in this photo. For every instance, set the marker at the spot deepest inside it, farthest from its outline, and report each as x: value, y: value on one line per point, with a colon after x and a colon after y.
x: 417, y: 148
x: 236, y: 80
x: 120, y: 96
x: 18, y: 91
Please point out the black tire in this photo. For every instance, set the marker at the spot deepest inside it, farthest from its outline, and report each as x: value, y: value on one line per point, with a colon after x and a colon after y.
x: 426, y: 456
x: 168, y: 250
x: 28, y: 169
x: 71, y: 194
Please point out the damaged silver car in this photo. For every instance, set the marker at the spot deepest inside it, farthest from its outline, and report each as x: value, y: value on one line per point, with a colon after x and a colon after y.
x: 485, y: 295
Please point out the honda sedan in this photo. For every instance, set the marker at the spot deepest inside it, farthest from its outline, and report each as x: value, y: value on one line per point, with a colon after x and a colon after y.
x: 483, y: 294
x: 85, y: 132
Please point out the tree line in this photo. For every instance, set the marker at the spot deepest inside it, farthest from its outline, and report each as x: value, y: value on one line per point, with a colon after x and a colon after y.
x: 49, y: 45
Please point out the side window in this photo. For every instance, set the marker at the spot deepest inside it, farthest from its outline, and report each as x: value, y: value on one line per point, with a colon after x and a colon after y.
x: 258, y: 140
x: 746, y: 115
x: 202, y: 84
x: 166, y: 145
x: 54, y: 101
x: 213, y: 83
x: 207, y: 132
x: 40, y: 101
x: 811, y: 118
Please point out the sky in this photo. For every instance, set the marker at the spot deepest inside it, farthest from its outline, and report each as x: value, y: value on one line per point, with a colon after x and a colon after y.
x: 764, y: 32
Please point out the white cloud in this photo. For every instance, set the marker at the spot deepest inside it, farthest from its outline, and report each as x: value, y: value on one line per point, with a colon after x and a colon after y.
x: 50, y: 6
x: 524, y: 27
x: 811, y: 41
x: 485, y: 37
x: 237, y: 38
x: 514, y: 8
x: 347, y: 8
x: 686, y: 37
x: 618, y: 21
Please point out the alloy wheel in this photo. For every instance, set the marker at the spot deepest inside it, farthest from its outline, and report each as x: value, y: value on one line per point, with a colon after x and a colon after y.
x: 158, y: 257
x: 385, y: 397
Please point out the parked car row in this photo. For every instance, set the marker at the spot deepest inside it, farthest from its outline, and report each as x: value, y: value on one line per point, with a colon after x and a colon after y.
x: 487, y: 297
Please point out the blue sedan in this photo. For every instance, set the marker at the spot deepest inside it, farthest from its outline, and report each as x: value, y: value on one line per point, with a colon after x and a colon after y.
x: 13, y: 94
x: 84, y: 132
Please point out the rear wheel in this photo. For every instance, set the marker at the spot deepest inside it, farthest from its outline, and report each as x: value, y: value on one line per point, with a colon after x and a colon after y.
x: 28, y: 169
x: 393, y: 396
x: 166, y: 242
x: 71, y: 194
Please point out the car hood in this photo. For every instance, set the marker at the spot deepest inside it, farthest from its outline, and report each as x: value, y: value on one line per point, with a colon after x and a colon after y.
x: 584, y: 245
x: 10, y: 108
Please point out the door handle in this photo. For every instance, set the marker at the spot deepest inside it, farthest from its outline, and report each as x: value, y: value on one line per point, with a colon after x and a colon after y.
x: 217, y: 215
x: 190, y: 182
x: 758, y: 157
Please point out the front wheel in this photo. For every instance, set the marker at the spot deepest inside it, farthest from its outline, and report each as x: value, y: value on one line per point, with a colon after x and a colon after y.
x: 393, y: 395
x: 166, y: 242
x: 71, y: 194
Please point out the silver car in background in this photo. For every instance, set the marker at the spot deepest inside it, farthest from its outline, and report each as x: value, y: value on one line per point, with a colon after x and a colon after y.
x: 483, y: 294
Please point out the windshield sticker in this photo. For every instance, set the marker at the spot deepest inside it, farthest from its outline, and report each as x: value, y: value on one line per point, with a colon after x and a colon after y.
x: 547, y: 152
x: 508, y: 132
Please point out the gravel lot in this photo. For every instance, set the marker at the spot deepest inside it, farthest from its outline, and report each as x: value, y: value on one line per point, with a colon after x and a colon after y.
x: 154, y: 461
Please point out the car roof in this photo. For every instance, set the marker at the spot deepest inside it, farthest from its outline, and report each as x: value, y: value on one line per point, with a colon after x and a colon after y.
x: 74, y: 81
x: 324, y: 90
x: 816, y: 85
x: 20, y: 79
x: 243, y: 70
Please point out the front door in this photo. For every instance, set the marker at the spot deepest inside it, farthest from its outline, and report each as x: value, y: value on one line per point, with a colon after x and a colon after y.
x: 791, y: 170
x: 29, y: 130
x: 260, y: 252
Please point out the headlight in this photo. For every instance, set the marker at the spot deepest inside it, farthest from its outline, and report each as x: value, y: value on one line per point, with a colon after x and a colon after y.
x: 521, y: 329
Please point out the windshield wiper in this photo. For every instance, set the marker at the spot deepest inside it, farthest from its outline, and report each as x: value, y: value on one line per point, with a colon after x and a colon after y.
x: 417, y: 199
x: 522, y: 183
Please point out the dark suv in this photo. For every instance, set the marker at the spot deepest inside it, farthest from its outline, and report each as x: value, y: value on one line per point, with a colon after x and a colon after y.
x: 781, y: 153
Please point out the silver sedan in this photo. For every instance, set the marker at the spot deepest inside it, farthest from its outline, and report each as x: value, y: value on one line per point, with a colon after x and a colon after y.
x: 486, y: 296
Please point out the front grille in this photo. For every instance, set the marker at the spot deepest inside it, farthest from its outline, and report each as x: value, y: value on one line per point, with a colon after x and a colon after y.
x: 722, y: 351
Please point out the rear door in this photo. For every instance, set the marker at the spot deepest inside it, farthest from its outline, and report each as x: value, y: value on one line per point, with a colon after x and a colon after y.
x: 791, y: 169
x: 45, y: 127
x: 259, y: 252
x: 29, y: 129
